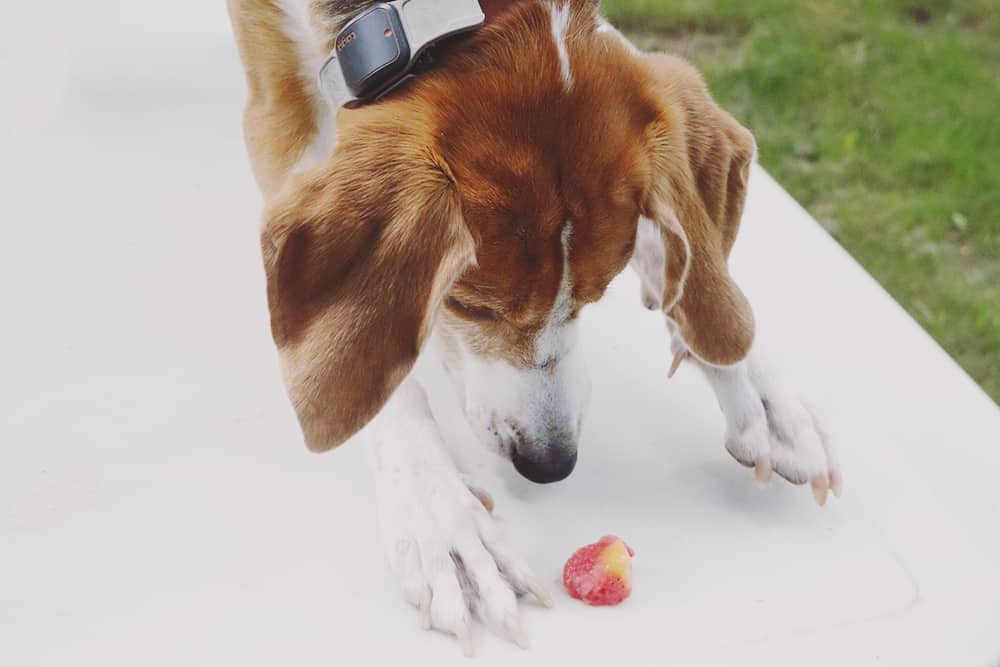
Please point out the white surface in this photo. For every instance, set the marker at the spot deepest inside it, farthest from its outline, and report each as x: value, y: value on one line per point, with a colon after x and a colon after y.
x: 157, y: 506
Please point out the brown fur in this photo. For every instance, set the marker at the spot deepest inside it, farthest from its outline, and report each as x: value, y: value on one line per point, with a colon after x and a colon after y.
x: 281, y: 111
x: 528, y: 156
x: 703, y: 159
x: 358, y: 254
x: 460, y: 182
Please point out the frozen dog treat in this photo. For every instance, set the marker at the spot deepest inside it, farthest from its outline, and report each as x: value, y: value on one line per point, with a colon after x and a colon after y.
x: 600, y: 573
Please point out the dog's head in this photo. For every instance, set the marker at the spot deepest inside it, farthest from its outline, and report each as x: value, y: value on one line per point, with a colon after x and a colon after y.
x: 492, y: 199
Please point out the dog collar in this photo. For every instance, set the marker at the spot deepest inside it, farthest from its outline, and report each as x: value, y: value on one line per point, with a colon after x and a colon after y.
x: 380, y: 47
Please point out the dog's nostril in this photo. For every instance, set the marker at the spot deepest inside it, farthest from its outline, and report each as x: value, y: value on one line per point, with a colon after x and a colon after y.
x: 544, y: 466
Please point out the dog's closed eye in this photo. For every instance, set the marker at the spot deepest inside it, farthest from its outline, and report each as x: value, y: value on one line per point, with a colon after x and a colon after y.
x: 477, y: 313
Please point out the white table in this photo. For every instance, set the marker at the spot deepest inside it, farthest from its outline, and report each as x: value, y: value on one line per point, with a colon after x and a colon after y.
x: 157, y: 506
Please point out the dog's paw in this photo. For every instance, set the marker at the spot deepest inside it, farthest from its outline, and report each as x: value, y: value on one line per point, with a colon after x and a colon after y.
x: 771, y: 430
x: 780, y: 434
x: 448, y: 554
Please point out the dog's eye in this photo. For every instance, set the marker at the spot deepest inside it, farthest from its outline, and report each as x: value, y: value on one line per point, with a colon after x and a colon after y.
x: 478, y: 313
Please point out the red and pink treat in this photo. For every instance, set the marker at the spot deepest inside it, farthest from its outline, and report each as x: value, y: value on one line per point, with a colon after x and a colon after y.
x: 600, y: 573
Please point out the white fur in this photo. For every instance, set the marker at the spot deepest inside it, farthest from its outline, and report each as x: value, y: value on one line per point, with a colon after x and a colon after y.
x: 551, y: 343
x: 604, y: 27
x: 650, y: 257
x: 428, y: 514
x: 505, y: 403
x: 673, y: 226
x: 435, y: 531
x: 560, y: 25
x: 323, y: 142
x: 767, y: 422
x: 298, y: 28
x: 649, y: 261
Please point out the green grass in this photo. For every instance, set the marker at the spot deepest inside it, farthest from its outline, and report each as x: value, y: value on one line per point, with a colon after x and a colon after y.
x: 883, y: 119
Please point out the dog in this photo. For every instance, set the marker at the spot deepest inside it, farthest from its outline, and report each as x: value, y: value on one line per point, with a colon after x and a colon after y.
x: 478, y: 207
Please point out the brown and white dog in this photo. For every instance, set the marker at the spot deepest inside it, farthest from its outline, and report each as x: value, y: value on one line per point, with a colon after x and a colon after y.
x: 480, y: 206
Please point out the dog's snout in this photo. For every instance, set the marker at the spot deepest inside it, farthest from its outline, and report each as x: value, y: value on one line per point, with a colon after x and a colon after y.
x: 549, y: 463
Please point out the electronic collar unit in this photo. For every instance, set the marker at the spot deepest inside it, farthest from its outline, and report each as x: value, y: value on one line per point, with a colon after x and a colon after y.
x: 378, y: 48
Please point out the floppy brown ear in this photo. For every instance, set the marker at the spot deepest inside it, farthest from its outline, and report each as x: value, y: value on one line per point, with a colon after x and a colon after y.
x: 701, y: 163
x: 359, y: 253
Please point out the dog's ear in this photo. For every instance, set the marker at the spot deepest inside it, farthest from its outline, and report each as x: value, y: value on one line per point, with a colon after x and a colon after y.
x: 359, y: 253
x: 701, y: 161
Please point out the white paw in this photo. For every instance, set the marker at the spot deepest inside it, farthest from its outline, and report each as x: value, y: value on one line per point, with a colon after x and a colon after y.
x: 779, y: 433
x: 447, y: 552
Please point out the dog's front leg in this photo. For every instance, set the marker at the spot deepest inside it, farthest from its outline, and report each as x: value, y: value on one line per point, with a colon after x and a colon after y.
x: 769, y: 428
x: 440, y: 541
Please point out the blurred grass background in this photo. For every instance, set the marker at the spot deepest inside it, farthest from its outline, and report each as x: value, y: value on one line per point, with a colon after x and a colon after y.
x: 883, y: 119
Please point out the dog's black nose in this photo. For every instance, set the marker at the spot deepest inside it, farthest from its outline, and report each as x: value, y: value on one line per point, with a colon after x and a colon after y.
x: 544, y: 466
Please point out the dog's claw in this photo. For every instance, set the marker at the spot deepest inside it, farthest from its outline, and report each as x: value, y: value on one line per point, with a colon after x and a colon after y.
x: 836, y: 483
x: 464, y: 636
x: 541, y: 595
x: 820, y: 486
x: 514, y: 631
x: 425, y: 609
x: 762, y: 472
x: 484, y: 497
x: 678, y: 358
